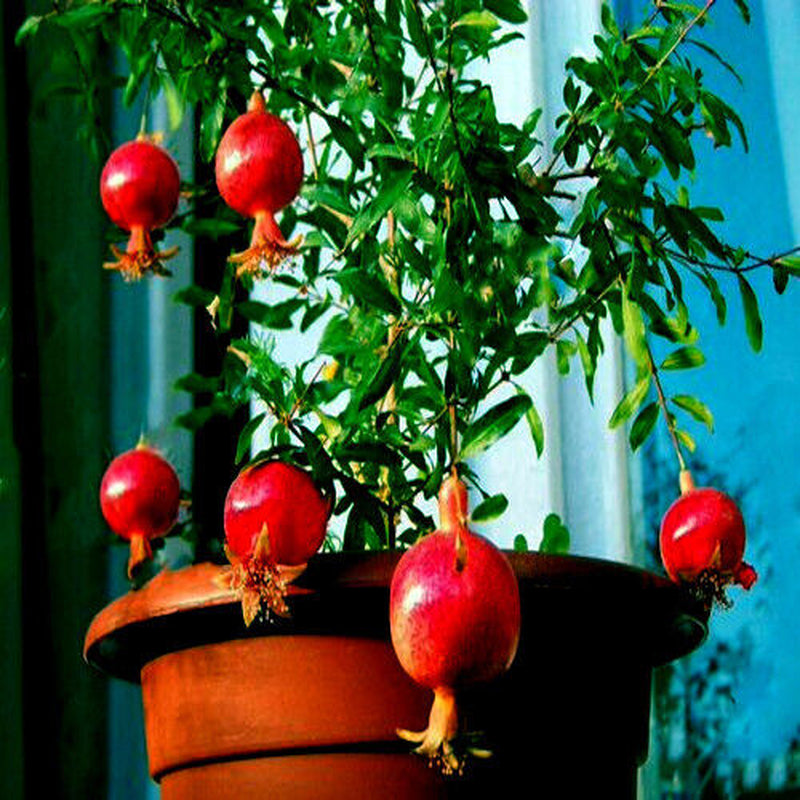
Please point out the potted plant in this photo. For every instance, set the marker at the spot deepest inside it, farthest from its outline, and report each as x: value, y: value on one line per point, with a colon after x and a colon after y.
x: 438, y: 262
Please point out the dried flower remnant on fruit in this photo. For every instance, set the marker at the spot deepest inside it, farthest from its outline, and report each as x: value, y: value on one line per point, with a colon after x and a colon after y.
x: 455, y: 621
x: 139, y: 188
x: 275, y: 519
x: 702, y: 542
x: 259, y: 170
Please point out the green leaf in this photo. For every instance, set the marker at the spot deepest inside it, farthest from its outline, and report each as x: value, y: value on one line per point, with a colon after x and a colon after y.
x: 556, y: 536
x: 520, y: 544
x: 635, y: 333
x: 211, y: 122
x: 643, y: 425
x: 27, y: 29
x: 696, y: 408
x: 194, y: 296
x: 277, y: 316
x: 384, y: 376
x: 379, y: 207
x: 752, y: 316
x: 536, y: 427
x: 347, y: 139
x: 246, y: 436
x: 368, y: 289
x: 493, y: 425
x: 508, y: 10
x: 684, y: 358
x: 490, y: 508
x: 630, y: 402
x: 478, y: 19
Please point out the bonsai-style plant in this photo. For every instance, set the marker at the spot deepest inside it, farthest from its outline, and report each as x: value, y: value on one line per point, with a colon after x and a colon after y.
x: 433, y: 251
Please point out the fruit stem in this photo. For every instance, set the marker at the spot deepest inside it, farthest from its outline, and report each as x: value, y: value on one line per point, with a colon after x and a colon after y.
x: 453, y: 510
x: 686, y: 481
x: 668, y: 418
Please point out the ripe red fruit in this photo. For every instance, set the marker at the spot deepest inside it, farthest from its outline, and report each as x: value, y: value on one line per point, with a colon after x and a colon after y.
x: 455, y: 618
x: 259, y: 169
x: 275, y: 517
x: 139, y: 187
x: 702, y: 542
x: 139, y: 498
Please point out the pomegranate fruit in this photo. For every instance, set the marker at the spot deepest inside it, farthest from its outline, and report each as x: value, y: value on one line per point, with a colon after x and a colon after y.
x: 275, y: 519
x: 139, y: 498
x: 259, y: 169
x: 454, y: 613
x: 139, y: 187
x: 702, y: 541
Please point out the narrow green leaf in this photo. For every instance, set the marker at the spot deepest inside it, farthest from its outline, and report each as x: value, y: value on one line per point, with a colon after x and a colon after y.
x: 686, y: 440
x: 556, y: 538
x: 246, y: 436
x: 684, y: 358
x: 493, y: 425
x: 520, y: 544
x: 27, y: 29
x: 752, y: 316
x: 380, y: 205
x: 630, y: 403
x: 384, y: 376
x: 536, y: 428
x: 635, y: 332
x: 369, y: 289
x: 490, y: 508
x: 696, y: 408
x: 643, y: 425
x: 478, y: 19
x: 508, y: 10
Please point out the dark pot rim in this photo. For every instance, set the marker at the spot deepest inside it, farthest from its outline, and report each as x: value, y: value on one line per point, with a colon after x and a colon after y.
x: 188, y: 607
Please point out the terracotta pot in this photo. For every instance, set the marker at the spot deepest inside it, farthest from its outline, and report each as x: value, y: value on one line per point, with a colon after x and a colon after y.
x: 308, y: 707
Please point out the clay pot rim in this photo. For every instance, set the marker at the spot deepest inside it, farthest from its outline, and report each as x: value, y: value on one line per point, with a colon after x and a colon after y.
x: 195, y: 590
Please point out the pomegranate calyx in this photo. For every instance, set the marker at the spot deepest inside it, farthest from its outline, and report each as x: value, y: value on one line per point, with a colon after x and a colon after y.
x: 436, y: 741
x: 134, y: 265
x: 140, y: 551
x: 745, y: 575
x: 256, y: 102
x: 258, y: 584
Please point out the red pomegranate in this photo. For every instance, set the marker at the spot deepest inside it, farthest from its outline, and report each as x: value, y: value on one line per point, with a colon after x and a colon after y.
x: 139, y: 187
x: 259, y: 169
x: 702, y: 541
x: 275, y: 517
x: 139, y: 498
x: 455, y: 619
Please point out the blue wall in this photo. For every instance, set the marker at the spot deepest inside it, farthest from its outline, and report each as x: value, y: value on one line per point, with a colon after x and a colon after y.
x: 756, y: 442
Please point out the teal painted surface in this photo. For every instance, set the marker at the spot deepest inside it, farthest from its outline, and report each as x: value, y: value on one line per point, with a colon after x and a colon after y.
x: 754, y: 397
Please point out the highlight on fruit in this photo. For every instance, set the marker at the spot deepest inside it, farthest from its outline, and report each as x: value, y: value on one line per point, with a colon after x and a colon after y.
x: 702, y: 542
x: 139, y: 189
x: 454, y: 613
x: 140, y: 498
x: 259, y: 171
x: 275, y: 519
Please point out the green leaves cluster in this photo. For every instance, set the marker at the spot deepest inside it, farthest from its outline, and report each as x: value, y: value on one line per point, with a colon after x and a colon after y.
x: 437, y: 266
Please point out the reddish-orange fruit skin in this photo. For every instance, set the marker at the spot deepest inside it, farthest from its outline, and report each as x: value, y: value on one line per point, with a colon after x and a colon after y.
x: 139, y: 189
x: 286, y: 500
x: 454, y: 614
x: 450, y: 627
x: 139, y: 498
x: 140, y: 185
x: 259, y: 171
x: 704, y: 531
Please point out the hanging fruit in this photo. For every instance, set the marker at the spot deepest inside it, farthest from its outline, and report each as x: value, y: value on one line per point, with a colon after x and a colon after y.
x: 139, y: 188
x: 275, y: 518
x: 139, y: 498
x: 702, y: 542
x: 455, y: 620
x: 259, y: 170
